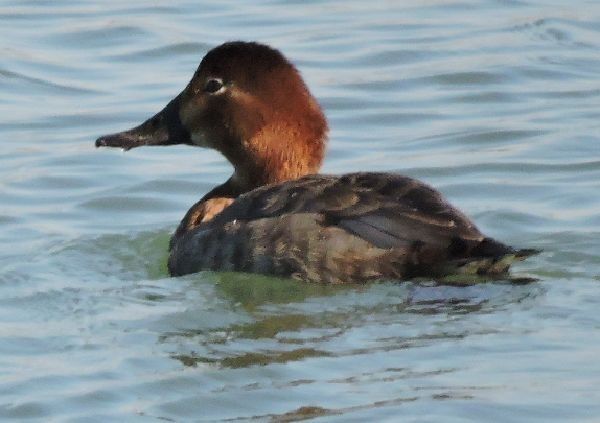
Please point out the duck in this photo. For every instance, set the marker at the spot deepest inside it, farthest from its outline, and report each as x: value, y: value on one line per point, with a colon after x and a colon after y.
x: 277, y: 215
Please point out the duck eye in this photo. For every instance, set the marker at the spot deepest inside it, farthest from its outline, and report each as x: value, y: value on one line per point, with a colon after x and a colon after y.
x: 213, y: 85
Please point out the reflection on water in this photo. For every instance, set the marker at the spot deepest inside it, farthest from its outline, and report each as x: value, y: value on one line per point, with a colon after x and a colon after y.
x: 496, y: 103
x: 290, y: 321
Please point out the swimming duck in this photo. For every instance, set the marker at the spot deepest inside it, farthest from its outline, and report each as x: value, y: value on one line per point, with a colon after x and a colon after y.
x: 276, y: 215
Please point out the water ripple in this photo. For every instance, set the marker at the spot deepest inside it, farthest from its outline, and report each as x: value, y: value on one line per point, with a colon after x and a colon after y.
x: 51, y: 86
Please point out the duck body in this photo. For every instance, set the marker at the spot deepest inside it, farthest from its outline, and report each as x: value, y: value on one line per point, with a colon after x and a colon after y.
x: 339, y: 229
x: 276, y: 215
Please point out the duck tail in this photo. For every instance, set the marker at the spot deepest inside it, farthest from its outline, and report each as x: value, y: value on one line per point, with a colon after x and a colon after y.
x: 523, y: 253
x: 489, y: 247
x: 491, y: 257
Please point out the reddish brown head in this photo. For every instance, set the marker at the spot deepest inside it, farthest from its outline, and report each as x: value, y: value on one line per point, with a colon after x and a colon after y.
x: 247, y: 101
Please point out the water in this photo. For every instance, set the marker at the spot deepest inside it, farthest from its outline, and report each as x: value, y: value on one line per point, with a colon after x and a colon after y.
x: 496, y: 103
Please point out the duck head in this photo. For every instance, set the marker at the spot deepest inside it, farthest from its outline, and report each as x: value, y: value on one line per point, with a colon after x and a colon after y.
x: 249, y: 102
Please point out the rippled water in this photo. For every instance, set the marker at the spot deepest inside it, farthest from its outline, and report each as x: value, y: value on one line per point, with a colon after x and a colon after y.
x: 496, y: 103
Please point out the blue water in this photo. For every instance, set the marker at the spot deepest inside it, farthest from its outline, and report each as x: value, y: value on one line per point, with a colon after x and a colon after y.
x: 496, y: 103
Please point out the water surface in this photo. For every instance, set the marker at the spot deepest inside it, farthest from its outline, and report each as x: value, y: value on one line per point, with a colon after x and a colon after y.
x: 496, y: 103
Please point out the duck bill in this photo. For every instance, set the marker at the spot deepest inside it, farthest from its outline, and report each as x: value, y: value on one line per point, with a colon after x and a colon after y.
x: 164, y: 128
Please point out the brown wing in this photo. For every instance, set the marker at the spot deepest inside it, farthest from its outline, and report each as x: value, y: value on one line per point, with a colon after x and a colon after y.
x: 385, y: 209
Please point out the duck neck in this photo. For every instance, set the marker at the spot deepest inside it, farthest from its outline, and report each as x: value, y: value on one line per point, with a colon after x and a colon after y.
x: 273, y: 157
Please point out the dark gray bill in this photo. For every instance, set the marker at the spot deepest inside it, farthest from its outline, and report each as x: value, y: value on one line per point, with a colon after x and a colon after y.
x: 164, y: 128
